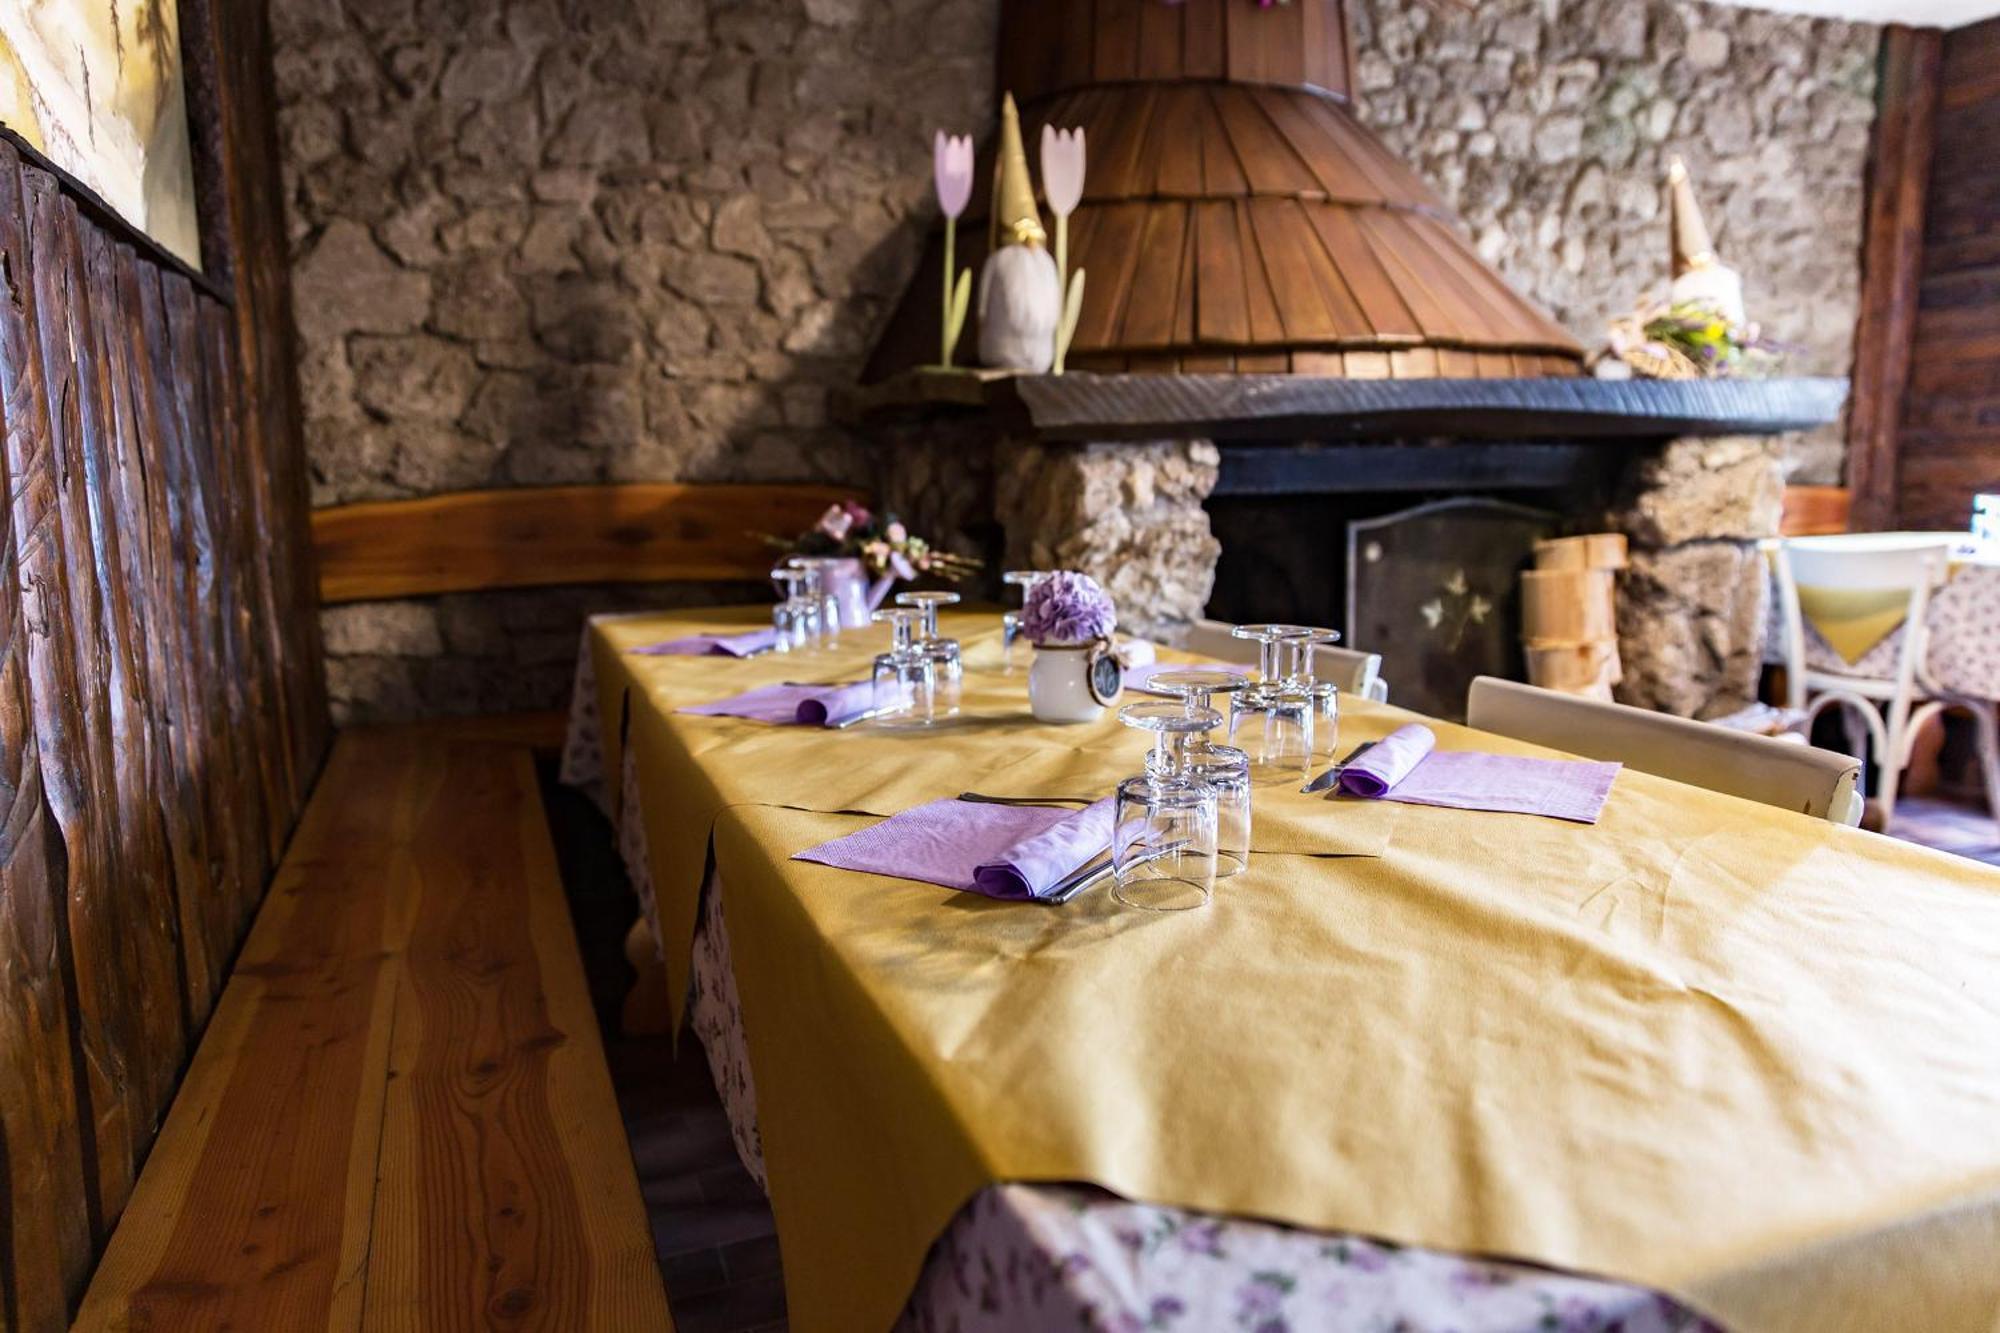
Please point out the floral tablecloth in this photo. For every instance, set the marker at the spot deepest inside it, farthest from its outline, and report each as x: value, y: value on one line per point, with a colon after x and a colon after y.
x: 1964, y: 620
x: 1070, y: 1256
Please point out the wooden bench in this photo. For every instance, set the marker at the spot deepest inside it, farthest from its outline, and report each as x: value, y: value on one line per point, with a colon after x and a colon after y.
x: 400, y: 1115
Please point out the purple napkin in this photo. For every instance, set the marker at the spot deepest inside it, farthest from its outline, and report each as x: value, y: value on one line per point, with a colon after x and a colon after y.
x: 712, y: 645
x: 792, y: 705
x: 1406, y: 766
x: 1015, y: 852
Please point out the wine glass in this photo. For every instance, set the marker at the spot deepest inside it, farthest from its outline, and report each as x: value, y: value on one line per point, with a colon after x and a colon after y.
x: 1271, y: 721
x: 1163, y: 844
x: 1224, y: 768
x: 903, y: 682
x: 944, y: 654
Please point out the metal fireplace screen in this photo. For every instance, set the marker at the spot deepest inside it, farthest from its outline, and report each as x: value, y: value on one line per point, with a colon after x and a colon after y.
x: 1435, y: 591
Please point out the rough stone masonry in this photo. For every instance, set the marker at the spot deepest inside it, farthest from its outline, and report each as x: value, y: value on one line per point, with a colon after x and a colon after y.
x: 549, y: 241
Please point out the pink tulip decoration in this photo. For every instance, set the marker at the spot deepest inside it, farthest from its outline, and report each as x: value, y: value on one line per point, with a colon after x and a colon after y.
x: 1062, y: 180
x: 952, y: 164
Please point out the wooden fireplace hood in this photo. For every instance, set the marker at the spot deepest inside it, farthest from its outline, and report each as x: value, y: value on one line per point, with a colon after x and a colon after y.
x: 1237, y: 216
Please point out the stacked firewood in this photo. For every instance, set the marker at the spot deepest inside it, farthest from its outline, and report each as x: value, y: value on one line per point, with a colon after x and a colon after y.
x: 1569, y: 614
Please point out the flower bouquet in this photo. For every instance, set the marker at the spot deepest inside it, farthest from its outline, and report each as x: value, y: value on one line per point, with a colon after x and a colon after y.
x: 1070, y: 619
x: 881, y: 551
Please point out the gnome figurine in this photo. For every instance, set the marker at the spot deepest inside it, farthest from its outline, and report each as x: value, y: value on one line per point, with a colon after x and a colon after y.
x: 1020, y: 292
x: 1700, y: 278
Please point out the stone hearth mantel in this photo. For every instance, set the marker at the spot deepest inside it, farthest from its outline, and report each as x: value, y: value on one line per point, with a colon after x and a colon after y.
x: 1084, y: 408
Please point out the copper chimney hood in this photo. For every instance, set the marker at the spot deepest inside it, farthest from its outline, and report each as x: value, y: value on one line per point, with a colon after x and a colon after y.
x: 1237, y: 216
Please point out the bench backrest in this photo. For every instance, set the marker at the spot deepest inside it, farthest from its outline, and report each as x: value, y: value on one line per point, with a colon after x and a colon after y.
x: 554, y: 535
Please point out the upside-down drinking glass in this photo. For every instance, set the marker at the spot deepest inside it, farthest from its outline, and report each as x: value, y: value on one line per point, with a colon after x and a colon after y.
x: 823, y: 596
x: 1224, y: 768
x: 790, y: 617
x: 949, y: 670
x: 1324, y: 694
x: 1271, y: 721
x: 1163, y: 844
x: 903, y: 683
x: 1010, y: 621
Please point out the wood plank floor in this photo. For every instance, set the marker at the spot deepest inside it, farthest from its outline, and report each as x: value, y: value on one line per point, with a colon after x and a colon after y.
x: 400, y: 1116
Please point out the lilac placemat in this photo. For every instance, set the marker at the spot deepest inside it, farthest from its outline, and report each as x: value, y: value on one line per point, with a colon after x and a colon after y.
x: 1406, y: 766
x: 792, y: 705
x: 712, y: 645
x: 1001, y: 851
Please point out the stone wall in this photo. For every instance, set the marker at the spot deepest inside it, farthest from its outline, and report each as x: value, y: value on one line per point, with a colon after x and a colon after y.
x: 545, y: 241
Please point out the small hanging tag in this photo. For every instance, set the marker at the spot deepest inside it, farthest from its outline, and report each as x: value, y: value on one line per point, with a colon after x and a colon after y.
x: 1105, y: 672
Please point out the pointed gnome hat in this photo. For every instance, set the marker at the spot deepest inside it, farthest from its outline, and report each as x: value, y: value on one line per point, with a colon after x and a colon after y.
x: 1692, y: 247
x: 1016, y: 219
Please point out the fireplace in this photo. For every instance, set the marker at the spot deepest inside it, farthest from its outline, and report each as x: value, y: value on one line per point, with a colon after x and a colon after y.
x: 1285, y: 334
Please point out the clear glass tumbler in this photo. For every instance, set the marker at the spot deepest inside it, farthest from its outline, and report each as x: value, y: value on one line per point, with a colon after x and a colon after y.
x: 1163, y: 844
x: 1011, y: 621
x: 1271, y: 721
x: 948, y: 666
x: 1224, y: 768
x: 1324, y: 694
x: 903, y: 683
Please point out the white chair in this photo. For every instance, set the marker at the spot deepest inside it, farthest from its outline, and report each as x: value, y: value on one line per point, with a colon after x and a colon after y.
x: 1893, y: 708
x: 1819, y: 783
x: 1356, y: 673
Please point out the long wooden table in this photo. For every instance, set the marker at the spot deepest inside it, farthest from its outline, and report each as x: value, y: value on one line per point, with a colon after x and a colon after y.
x: 1706, y: 1046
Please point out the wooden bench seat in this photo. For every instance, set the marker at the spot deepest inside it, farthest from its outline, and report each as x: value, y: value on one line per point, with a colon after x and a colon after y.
x: 400, y: 1115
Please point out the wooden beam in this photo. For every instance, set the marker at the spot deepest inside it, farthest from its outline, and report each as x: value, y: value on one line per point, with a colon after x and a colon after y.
x: 1892, y: 255
x: 548, y: 536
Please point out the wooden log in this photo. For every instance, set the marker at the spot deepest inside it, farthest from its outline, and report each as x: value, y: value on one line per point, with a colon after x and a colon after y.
x: 1815, y: 511
x: 1587, y: 669
x: 45, y: 1253
x: 1597, y: 550
x: 1569, y: 605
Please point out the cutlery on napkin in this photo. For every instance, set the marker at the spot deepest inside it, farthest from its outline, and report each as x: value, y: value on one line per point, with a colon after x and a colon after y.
x: 1014, y: 852
x: 1407, y: 766
x: 754, y: 643
x: 1333, y: 775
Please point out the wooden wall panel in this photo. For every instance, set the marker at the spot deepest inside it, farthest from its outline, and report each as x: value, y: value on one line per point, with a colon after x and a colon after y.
x: 1947, y: 445
x: 162, y: 713
x: 47, y: 1246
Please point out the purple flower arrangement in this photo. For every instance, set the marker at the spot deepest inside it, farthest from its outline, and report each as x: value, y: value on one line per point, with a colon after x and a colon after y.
x: 1067, y: 608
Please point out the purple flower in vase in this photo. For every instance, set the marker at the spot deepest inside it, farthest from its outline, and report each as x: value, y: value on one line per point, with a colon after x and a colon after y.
x: 1068, y: 608
x: 836, y: 522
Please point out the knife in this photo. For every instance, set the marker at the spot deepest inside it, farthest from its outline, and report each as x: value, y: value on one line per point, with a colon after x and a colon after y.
x: 1095, y: 869
x: 1331, y: 777
x: 842, y: 723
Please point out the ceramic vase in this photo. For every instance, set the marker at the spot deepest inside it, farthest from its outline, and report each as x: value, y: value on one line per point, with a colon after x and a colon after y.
x: 1059, y: 684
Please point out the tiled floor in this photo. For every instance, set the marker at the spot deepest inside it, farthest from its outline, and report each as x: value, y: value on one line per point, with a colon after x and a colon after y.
x: 1949, y: 826
x: 712, y: 1226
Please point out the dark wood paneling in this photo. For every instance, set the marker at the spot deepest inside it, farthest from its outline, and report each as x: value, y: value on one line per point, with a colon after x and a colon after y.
x: 1945, y: 442
x: 47, y: 1242
x: 161, y: 706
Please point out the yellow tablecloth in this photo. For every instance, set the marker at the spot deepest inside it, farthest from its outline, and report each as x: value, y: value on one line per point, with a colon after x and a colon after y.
x: 1718, y: 1049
